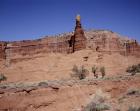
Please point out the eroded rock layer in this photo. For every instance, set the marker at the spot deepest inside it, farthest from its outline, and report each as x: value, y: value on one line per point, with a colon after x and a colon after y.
x: 97, y: 40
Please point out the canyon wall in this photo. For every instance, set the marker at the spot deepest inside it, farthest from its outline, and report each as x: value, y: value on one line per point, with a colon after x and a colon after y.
x: 111, y: 42
x: 2, y: 50
x: 97, y: 40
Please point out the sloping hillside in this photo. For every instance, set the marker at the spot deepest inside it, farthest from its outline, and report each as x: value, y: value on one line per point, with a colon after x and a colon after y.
x: 55, y: 66
x: 42, y: 81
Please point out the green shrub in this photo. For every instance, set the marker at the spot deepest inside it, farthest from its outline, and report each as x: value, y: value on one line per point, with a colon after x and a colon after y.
x: 132, y: 108
x: 43, y: 84
x: 102, y: 70
x: 133, y: 91
x: 133, y: 69
x: 2, y: 77
x: 138, y: 67
x: 98, y: 102
x: 97, y: 107
x: 79, y: 73
x: 94, y: 70
x: 75, y: 69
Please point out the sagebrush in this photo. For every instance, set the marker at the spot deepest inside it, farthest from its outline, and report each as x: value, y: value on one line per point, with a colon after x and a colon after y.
x: 80, y: 72
x: 133, y: 69
x: 133, y: 108
x: 98, y: 102
x: 94, y: 71
x: 102, y: 70
x: 3, y: 77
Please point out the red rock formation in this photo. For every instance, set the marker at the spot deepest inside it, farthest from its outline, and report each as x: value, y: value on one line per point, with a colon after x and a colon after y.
x: 132, y: 47
x: 2, y: 50
x: 78, y: 40
x: 105, y: 41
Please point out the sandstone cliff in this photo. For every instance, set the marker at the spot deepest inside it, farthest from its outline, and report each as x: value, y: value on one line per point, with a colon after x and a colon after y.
x: 96, y: 40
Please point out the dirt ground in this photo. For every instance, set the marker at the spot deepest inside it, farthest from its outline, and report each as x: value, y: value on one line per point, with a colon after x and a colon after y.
x: 59, y: 66
x: 69, y: 97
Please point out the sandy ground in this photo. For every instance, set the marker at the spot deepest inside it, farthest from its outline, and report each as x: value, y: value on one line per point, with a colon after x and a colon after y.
x: 70, y: 97
x: 58, y: 66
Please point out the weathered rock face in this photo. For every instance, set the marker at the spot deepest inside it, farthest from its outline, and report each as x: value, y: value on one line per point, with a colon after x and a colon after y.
x: 2, y: 50
x: 45, y: 45
x: 78, y: 40
x: 110, y: 42
x: 97, y: 40
x: 132, y: 47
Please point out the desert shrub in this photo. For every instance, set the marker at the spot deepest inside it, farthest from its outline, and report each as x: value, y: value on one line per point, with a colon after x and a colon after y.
x: 75, y: 69
x: 133, y: 91
x: 138, y: 68
x: 102, y: 70
x: 97, y: 107
x: 98, y: 102
x: 94, y: 70
x: 43, y: 84
x: 80, y: 72
x: 133, y: 69
x: 3, y: 77
x: 133, y: 108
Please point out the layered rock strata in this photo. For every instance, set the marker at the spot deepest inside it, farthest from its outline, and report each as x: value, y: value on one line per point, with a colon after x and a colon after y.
x: 97, y: 40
